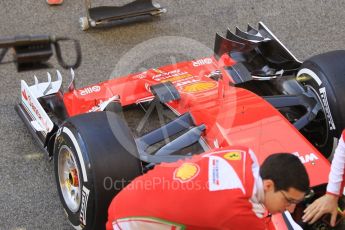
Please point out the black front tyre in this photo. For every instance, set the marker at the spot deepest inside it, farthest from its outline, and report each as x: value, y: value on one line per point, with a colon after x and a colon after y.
x: 324, y: 75
x: 95, y: 156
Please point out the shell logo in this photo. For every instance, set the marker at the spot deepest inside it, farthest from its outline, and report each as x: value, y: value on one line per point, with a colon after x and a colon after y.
x: 200, y: 86
x: 186, y: 172
x: 233, y: 156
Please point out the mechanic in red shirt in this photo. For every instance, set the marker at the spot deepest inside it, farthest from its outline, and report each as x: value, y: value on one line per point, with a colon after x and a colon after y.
x: 335, y: 188
x: 225, y: 189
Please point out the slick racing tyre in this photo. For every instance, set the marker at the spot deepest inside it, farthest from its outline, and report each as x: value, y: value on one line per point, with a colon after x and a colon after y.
x: 95, y: 156
x: 324, y: 75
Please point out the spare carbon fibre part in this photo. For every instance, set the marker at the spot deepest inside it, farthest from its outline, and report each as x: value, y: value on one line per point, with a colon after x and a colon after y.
x: 33, y: 52
x: 109, y: 15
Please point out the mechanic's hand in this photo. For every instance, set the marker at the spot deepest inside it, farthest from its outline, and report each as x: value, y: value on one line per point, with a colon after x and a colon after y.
x: 325, y: 204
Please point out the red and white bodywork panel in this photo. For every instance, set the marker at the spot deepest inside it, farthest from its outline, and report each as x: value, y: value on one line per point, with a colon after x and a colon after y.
x: 233, y: 116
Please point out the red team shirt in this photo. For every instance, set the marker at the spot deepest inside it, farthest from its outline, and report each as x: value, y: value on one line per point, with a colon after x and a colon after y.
x: 218, y: 190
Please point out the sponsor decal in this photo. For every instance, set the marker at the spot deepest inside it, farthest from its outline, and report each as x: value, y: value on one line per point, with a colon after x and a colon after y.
x: 186, y: 172
x: 140, y: 76
x: 25, y: 96
x: 183, y: 76
x: 103, y: 104
x: 215, y: 172
x: 310, y: 157
x: 158, y: 71
x: 28, y: 99
x: 186, y: 82
x: 200, y: 62
x: 161, y: 76
x: 222, y: 176
x: 84, y: 200
x: 200, y: 86
x: 233, y: 156
x: 89, y: 90
x: 327, y: 109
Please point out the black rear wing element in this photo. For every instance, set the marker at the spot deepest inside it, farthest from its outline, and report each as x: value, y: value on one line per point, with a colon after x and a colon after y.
x: 257, y: 49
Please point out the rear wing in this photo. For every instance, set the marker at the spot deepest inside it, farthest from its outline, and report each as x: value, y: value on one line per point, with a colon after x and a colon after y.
x: 259, y: 50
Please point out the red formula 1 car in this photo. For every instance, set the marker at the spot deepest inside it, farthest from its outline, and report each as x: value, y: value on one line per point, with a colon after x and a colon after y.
x: 253, y: 92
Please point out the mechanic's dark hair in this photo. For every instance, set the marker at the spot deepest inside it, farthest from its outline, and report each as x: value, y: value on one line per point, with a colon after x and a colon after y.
x: 286, y: 171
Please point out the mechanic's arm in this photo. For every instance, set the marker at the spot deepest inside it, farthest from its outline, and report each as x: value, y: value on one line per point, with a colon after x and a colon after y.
x: 329, y: 202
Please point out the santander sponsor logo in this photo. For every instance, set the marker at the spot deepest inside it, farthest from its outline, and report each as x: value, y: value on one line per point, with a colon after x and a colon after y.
x: 89, y: 90
x: 200, y: 62
x: 27, y: 98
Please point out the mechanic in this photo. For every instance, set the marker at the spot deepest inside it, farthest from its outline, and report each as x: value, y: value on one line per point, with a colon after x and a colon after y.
x: 219, y: 190
x: 335, y: 188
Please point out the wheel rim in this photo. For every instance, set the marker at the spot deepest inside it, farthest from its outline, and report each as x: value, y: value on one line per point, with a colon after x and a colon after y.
x: 69, y: 178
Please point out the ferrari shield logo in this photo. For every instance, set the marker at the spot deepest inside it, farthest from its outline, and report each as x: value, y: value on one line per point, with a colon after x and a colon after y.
x: 233, y: 156
x: 186, y: 172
